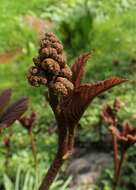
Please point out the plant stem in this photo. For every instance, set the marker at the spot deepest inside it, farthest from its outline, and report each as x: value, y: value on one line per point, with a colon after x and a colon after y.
x: 65, y: 146
x: 33, y: 145
x: 7, y: 158
x: 116, y: 161
x: 117, y: 176
x: 54, y: 168
x: 51, y: 174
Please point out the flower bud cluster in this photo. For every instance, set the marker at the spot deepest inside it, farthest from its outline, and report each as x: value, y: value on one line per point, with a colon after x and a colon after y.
x: 50, y: 67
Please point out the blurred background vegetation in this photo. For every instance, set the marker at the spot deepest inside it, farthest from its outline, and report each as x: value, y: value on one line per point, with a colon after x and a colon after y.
x: 109, y: 28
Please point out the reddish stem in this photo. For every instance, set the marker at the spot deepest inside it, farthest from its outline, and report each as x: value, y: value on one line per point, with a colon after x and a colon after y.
x: 117, y: 176
x: 52, y: 172
x: 116, y: 161
x: 64, y: 152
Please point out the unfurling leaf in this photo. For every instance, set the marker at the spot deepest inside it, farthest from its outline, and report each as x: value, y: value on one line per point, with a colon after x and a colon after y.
x: 14, y: 112
x: 108, y: 115
x: 78, y: 69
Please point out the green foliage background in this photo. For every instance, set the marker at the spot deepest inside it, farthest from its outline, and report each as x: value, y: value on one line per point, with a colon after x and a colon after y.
x: 109, y: 27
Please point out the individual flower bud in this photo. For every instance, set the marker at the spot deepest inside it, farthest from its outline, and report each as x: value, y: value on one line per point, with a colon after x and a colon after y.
x: 54, y: 39
x: 49, y: 34
x: 58, y: 47
x: 51, y: 37
x: 58, y: 89
x: 66, y: 72
x: 61, y: 59
x: 45, y: 52
x: 33, y: 80
x: 45, y: 43
x: 43, y: 80
x: 53, y: 52
x: 33, y: 70
x: 69, y: 85
x: 61, y: 87
x: 48, y: 52
x: 50, y: 66
x: 37, y: 61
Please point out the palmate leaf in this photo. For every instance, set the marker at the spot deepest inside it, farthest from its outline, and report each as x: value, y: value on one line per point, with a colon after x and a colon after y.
x: 78, y: 69
x: 14, y: 112
x: 4, y: 99
x: 75, y: 105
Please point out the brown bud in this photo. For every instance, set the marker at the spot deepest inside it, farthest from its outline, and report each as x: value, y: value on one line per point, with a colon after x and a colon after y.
x: 58, y: 47
x: 59, y: 89
x: 45, y: 43
x: 51, y: 66
x: 33, y: 70
x: 66, y: 72
x: 45, y: 52
x: 43, y: 80
x: 53, y: 39
x: 37, y: 61
x: 69, y: 85
x: 33, y: 80
x: 61, y: 59
x: 49, y: 34
x: 48, y: 52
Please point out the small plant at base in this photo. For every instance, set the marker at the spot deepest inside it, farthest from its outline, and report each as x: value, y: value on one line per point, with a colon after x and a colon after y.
x: 8, y: 115
x: 123, y: 136
x: 68, y: 97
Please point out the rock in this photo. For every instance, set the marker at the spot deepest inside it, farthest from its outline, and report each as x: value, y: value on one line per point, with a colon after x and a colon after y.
x: 87, y: 169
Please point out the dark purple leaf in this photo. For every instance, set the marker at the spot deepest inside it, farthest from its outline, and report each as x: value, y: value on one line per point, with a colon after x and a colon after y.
x: 4, y: 99
x: 14, y: 112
